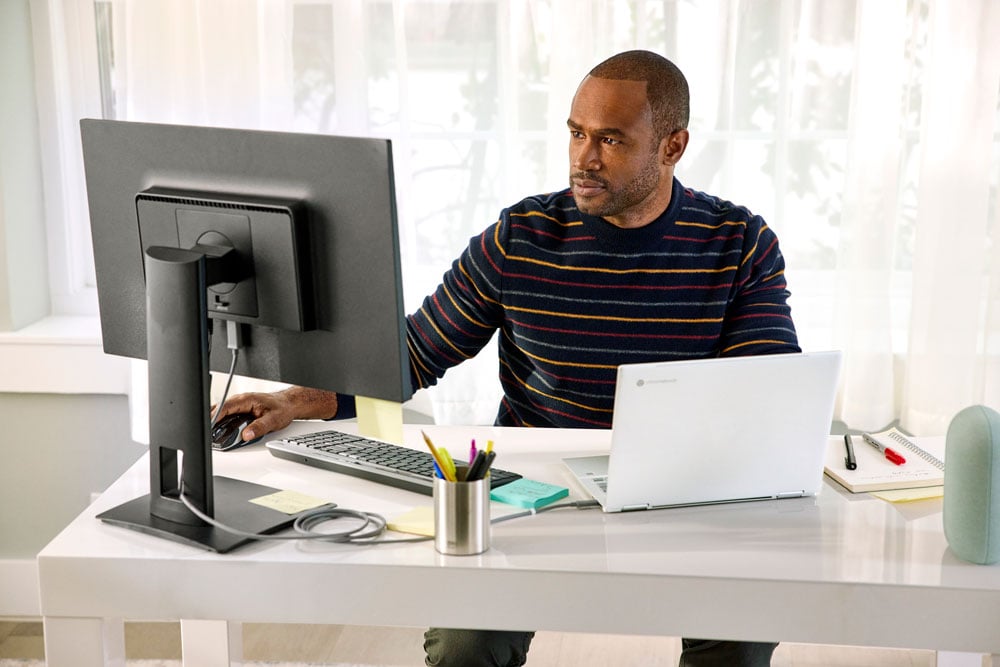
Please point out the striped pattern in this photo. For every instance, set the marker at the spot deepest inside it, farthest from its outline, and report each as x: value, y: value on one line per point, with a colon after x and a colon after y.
x: 573, y: 296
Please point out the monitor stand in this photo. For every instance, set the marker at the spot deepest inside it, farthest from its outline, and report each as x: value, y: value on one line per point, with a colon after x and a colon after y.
x: 232, y: 507
x: 180, y: 450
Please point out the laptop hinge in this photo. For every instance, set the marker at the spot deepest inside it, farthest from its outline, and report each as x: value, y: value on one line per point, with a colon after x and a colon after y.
x: 634, y: 508
x: 791, y: 494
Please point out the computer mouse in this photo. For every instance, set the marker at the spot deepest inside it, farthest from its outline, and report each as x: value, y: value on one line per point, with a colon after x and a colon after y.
x: 226, y: 433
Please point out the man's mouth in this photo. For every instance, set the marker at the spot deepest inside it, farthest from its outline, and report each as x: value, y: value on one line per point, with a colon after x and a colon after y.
x: 587, y: 187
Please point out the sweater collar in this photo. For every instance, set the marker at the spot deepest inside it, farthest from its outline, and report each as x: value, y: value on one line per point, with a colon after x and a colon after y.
x: 640, y: 237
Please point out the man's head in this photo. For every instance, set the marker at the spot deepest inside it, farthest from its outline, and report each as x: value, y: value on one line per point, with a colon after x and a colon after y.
x: 627, y: 131
x: 666, y: 88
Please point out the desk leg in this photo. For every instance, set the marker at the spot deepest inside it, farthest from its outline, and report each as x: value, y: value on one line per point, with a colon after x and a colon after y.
x: 211, y: 643
x: 957, y: 659
x: 84, y: 642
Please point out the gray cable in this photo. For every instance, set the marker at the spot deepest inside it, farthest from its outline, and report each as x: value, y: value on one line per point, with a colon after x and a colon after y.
x: 372, y: 525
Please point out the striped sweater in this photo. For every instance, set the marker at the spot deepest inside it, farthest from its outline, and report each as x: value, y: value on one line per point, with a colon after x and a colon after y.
x: 573, y: 296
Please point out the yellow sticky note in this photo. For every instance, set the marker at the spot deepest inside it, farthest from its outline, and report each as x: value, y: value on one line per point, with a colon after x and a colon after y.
x: 289, y: 502
x: 419, y: 521
x: 380, y: 419
x: 909, y: 495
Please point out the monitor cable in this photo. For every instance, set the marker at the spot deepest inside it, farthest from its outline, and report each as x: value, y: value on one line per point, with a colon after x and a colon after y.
x: 371, y: 527
x: 234, y: 337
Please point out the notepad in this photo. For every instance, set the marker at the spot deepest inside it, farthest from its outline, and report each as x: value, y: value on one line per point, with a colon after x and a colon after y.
x: 874, y: 473
x: 418, y: 521
x: 528, y: 493
x: 289, y: 502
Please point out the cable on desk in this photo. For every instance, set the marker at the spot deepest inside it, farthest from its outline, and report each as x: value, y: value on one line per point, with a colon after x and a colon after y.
x: 575, y: 504
x: 372, y: 524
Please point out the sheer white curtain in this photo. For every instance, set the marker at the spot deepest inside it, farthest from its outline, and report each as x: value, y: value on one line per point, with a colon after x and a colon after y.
x: 954, y: 330
x: 865, y: 132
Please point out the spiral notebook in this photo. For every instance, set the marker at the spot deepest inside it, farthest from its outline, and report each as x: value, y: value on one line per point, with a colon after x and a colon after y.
x: 924, y: 465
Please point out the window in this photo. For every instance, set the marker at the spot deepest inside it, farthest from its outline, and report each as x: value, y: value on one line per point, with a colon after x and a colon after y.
x: 825, y: 118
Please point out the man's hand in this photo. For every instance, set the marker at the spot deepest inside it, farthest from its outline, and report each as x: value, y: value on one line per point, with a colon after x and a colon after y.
x: 275, y: 411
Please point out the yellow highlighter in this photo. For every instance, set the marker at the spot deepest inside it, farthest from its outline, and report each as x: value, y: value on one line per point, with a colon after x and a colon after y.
x: 449, y: 474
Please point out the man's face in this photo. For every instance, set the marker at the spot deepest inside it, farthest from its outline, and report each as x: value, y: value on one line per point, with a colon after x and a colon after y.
x: 615, y: 170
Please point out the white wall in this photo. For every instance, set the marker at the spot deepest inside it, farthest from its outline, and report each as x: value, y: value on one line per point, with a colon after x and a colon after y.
x: 57, y: 446
x: 56, y: 450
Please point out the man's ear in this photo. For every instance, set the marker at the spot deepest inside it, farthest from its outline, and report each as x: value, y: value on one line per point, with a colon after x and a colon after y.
x: 672, y: 147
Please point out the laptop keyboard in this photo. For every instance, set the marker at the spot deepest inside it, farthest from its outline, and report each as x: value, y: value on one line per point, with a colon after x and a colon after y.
x: 374, y: 460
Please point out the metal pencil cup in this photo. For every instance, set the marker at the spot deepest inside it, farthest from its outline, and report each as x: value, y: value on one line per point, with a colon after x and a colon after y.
x: 461, y: 516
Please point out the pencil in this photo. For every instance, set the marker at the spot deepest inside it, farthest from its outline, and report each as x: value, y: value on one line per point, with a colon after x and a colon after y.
x: 442, y: 466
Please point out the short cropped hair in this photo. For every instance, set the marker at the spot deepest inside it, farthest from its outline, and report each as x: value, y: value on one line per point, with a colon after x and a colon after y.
x: 666, y: 87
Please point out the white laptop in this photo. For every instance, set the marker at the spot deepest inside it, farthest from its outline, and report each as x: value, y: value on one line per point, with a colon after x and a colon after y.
x: 717, y: 430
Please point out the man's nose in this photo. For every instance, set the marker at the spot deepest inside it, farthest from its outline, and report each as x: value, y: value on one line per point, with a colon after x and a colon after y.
x: 585, y: 156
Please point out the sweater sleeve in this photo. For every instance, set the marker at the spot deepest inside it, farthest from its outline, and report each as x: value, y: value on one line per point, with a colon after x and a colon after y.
x: 459, y: 318
x: 759, y: 319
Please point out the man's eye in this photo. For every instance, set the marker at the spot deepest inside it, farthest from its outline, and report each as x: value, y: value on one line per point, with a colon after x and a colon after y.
x: 576, y: 134
x: 610, y: 141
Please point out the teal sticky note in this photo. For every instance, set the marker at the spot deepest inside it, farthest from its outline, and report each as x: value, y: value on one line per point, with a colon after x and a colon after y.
x: 528, y: 493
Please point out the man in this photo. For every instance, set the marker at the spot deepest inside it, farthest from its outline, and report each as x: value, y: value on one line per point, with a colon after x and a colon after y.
x: 625, y: 266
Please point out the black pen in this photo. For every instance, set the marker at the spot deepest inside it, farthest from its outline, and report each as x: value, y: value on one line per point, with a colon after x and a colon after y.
x: 849, y: 459
x: 486, y: 465
x: 481, y: 467
x: 475, y: 466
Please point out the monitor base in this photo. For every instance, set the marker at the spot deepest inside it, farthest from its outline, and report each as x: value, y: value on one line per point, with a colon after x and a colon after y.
x: 232, y: 507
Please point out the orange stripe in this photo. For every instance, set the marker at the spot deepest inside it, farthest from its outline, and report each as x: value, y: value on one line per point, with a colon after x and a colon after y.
x: 538, y: 214
x: 611, y: 318
x: 736, y: 223
x: 616, y: 271
x: 754, y: 342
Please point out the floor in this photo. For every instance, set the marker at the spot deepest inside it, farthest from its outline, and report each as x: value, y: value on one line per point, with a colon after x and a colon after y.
x: 401, y: 647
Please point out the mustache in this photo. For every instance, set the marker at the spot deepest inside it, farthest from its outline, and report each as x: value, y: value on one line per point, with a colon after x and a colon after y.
x: 587, y: 176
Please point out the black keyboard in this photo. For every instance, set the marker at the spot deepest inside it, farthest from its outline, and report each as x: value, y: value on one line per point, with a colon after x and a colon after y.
x: 374, y: 460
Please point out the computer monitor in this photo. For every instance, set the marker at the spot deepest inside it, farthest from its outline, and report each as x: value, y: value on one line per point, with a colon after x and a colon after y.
x: 205, y: 239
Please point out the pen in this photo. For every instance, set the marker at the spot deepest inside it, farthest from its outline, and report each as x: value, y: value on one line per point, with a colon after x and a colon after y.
x: 890, y: 454
x: 475, y: 465
x: 849, y: 459
x: 486, y: 466
x: 472, y: 451
x: 481, y: 467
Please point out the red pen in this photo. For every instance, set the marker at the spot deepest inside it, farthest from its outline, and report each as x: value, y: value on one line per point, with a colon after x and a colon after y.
x: 890, y: 454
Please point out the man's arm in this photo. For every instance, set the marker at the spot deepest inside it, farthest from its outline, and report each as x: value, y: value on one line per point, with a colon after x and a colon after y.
x: 759, y: 320
x: 458, y: 320
x: 275, y: 411
x: 452, y: 325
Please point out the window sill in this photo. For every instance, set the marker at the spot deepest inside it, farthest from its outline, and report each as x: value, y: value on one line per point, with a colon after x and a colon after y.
x: 60, y: 355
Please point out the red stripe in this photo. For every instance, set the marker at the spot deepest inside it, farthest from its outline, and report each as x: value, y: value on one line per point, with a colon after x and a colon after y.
x: 432, y: 345
x: 570, y: 283
x: 612, y: 335
x: 550, y: 235
x: 445, y: 316
x: 668, y: 237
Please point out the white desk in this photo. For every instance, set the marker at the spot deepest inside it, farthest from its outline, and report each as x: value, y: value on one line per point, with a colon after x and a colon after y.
x: 836, y: 569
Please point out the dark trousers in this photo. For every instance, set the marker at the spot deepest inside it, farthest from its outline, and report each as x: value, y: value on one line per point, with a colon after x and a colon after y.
x: 497, y: 648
